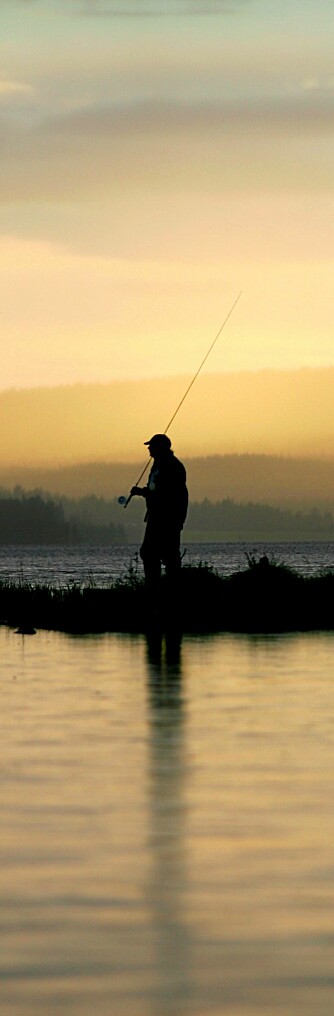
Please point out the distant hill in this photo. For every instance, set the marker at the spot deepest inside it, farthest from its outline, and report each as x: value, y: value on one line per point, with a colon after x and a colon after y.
x: 266, y: 412
x: 298, y: 483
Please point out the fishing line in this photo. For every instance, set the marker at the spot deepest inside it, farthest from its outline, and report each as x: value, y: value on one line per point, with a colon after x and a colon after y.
x: 125, y: 500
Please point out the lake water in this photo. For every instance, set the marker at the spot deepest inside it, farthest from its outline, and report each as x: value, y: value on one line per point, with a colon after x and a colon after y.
x: 167, y: 826
x: 101, y: 565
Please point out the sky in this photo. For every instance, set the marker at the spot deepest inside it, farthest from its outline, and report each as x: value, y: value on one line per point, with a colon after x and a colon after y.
x: 159, y: 156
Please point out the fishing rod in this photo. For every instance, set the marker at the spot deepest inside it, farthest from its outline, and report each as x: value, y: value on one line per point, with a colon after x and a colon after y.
x: 125, y: 500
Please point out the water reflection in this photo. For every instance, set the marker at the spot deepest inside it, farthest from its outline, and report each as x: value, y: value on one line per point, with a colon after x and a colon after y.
x: 167, y: 881
x: 167, y: 842
x: 164, y: 655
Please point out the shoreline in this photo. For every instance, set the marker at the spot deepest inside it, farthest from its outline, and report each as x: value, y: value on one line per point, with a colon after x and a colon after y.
x: 265, y: 597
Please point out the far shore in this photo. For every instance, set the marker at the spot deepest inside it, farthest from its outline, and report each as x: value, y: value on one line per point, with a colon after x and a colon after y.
x: 256, y: 536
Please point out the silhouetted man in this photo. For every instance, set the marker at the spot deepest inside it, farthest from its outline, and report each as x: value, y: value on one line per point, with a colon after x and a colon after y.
x: 166, y: 498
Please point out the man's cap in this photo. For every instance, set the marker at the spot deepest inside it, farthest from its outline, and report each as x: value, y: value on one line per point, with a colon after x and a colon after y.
x: 159, y: 441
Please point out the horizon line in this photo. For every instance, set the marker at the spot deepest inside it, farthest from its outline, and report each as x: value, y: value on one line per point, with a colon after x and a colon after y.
x: 149, y: 378
x: 80, y: 464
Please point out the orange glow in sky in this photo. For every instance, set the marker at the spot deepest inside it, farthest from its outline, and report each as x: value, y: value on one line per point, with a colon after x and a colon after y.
x: 157, y: 158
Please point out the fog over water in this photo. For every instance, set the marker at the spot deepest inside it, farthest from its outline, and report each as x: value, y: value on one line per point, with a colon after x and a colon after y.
x: 167, y: 825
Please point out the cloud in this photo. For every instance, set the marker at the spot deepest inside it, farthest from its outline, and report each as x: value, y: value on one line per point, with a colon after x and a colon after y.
x: 13, y: 89
x: 161, y: 116
x: 326, y: 85
x: 158, y: 9
x: 140, y: 8
x: 162, y: 144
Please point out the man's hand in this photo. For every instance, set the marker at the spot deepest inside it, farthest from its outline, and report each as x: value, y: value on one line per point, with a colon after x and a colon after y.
x: 137, y: 490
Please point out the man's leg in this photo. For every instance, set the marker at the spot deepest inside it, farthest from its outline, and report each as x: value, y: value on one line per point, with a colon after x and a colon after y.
x: 171, y: 558
x: 170, y: 554
x: 150, y: 555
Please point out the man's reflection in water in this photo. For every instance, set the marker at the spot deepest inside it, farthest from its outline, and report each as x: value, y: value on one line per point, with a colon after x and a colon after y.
x: 164, y: 657
x: 167, y: 883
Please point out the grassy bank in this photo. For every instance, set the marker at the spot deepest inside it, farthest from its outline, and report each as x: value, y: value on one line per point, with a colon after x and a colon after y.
x: 264, y: 597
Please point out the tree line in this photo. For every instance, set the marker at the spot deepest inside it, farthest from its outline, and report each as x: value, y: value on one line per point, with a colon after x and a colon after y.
x: 36, y: 518
x: 228, y: 515
x: 33, y: 519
